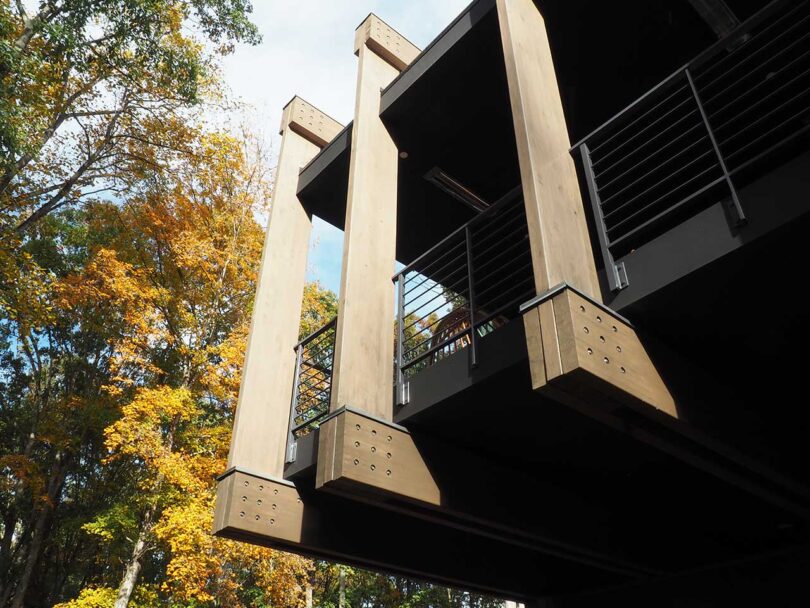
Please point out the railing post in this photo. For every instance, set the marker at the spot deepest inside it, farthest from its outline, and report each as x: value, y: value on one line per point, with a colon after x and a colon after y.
x: 736, y: 209
x: 401, y: 390
x: 616, y: 273
x: 291, y: 444
x: 471, y: 298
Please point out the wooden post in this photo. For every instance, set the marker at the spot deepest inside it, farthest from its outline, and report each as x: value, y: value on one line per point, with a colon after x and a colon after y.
x: 263, y: 412
x: 561, y: 248
x: 363, y: 368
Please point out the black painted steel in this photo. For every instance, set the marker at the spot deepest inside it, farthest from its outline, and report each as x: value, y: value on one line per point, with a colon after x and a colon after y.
x: 463, y: 288
x: 312, y: 387
x: 702, y: 134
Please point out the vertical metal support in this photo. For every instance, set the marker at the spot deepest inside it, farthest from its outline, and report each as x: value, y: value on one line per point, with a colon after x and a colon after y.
x: 402, y: 397
x: 616, y: 273
x: 291, y: 443
x: 471, y: 298
x: 736, y: 209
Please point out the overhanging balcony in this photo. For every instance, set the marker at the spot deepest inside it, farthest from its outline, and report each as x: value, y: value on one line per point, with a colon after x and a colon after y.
x: 466, y: 287
x: 727, y: 119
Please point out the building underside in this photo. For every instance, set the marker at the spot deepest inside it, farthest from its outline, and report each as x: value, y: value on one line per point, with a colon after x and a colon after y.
x: 591, y: 402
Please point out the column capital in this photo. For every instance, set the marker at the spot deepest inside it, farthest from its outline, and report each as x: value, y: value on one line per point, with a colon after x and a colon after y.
x: 309, y: 122
x: 385, y: 41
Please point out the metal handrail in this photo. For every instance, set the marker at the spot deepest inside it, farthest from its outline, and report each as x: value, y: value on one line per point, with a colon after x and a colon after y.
x: 646, y: 189
x: 696, y: 62
x: 462, y: 288
x: 496, y: 206
x: 311, y: 393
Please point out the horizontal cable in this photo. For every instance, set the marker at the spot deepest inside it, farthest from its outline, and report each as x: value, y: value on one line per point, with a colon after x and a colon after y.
x: 481, y: 278
x: 506, y: 215
x: 767, y: 134
x: 423, y: 339
x: 310, y: 403
x: 504, y: 229
x: 761, y: 84
x: 448, y: 294
x: 509, y: 276
x: 649, y: 157
x: 487, y: 303
x: 309, y: 422
x: 765, y: 116
x: 749, y: 43
x: 445, y: 285
x: 529, y: 293
x: 439, y: 257
x: 770, y: 58
x: 643, y: 131
x: 657, y: 201
x: 690, y: 114
x: 638, y: 118
x: 669, y: 159
x: 436, y: 348
x: 661, y: 182
x: 517, y: 242
x: 667, y: 211
x: 425, y: 316
x: 428, y: 277
x: 770, y: 150
x: 762, y: 100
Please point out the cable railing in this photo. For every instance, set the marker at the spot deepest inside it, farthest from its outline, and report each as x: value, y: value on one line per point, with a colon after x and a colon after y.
x: 463, y: 288
x: 714, y: 125
x: 312, y: 388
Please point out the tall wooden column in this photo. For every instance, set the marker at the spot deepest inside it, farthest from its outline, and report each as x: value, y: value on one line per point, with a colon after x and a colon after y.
x: 580, y: 352
x: 263, y: 412
x: 561, y: 248
x: 363, y: 367
x: 363, y: 377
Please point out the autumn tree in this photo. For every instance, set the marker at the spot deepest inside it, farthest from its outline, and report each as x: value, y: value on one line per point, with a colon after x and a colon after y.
x: 84, y: 84
x: 191, y: 245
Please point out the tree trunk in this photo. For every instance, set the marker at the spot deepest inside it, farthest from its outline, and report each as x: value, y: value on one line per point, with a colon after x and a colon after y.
x: 133, y: 568
x: 341, y: 587
x: 34, y: 551
x: 9, y: 523
x: 43, y: 517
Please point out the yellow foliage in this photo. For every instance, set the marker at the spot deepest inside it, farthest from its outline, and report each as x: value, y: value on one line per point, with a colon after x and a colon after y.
x: 104, y: 597
x: 147, y: 429
x: 203, y: 568
x: 92, y: 597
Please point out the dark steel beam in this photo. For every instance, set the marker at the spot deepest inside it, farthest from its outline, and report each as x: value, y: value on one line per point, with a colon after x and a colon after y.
x: 718, y: 15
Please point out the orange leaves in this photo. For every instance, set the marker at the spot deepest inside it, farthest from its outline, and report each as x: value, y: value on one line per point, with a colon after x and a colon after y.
x: 107, y: 281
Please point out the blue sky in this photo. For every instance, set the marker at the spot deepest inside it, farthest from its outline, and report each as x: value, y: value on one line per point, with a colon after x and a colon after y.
x: 308, y: 51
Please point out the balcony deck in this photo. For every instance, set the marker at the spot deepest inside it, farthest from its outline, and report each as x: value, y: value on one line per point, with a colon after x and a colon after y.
x: 637, y: 497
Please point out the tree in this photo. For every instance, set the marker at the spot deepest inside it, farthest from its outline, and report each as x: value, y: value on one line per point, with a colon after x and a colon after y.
x: 85, y: 83
x: 150, y: 300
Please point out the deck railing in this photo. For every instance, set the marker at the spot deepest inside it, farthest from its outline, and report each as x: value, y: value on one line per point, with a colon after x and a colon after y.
x: 466, y: 286
x: 312, y: 388
x: 701, y: 134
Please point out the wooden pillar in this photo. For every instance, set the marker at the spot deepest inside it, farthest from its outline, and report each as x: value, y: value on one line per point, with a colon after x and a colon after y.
x: 561, y: 248
x: 363, y: 367
x: 262, y: 414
